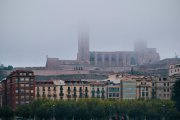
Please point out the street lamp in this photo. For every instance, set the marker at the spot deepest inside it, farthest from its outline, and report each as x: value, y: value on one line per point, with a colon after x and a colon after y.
x: 53, y: 112
x: 164, y: 111
x: 110, y: 110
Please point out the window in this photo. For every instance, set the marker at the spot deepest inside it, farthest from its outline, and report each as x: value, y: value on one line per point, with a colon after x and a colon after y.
x: 142, y: 94
x: 22, y: 90
x: 164, y: 84
x: 22, y: 97
x: 16, y: 91
x: 30, y: 74
x: 164, y: 90
x: 27, y: 91
x: 27, y: 79
x: 49, y: 88
x: 32, y: 91
x: 27, y: 97
x: 21, y: 79
x: 22, y: 102
x: 54, y: 88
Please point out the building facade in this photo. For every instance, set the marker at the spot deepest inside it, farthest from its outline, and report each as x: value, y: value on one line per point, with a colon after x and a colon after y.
x: 174, y: 70
x: 49, y: 89
x: 128, y: 89
x: 114, y: 91
x: 163, y: 87
x: 144, y: 88
x: 98, y: 90
x: 19, y: 88
x: 62, y: 90
x: 76, y: 89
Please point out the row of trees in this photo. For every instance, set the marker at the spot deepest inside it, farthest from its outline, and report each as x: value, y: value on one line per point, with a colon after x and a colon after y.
x: 95, y: 109
x: 9, y: 67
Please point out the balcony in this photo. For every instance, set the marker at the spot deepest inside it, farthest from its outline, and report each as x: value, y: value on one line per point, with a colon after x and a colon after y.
x: 49, y: 95
x: 38, y: 95
x: 43, y: 95
x: 61, y: 94
x: 74, y: 95
x: 61, y: 88
x: 80, y: 95
x: 86, y: 95
x: 86, y: 90
x: 68, y: 96
x: 69, y: 90
x: 74, y: 90
x: 54, y: 95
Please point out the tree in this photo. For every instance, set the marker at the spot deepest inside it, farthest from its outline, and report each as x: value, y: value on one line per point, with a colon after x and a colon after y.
x: 24, y: 111
x: 176, y: 93
x: 6, y: 112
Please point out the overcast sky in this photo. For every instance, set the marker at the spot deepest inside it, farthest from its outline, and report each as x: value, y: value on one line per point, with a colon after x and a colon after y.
x: 32, y: 29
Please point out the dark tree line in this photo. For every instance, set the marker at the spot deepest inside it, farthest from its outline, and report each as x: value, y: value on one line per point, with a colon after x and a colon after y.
x: 176, y: 93
x: 95, y: 109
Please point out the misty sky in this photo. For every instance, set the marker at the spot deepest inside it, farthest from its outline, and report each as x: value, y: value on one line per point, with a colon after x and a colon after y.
x: 32, y: 29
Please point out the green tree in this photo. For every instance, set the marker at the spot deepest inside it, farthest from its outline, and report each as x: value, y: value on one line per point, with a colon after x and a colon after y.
x: 24, y: 111
x: 176, y: 93
x: 6, y: 112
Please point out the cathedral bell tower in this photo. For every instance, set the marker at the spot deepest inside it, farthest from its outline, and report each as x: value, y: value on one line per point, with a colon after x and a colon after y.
x: 83, y: 46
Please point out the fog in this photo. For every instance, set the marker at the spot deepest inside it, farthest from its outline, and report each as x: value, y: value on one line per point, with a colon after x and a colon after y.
x: 30, y: 30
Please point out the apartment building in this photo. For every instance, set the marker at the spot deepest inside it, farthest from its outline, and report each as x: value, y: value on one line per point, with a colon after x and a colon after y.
x: 128, y: 89
x: 52, y: 89
x: 174, y: 70
x: 19, y: 88
x: 163, y: 87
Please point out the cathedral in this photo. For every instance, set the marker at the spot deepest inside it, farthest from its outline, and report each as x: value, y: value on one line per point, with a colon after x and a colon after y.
x: 105, y: 61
